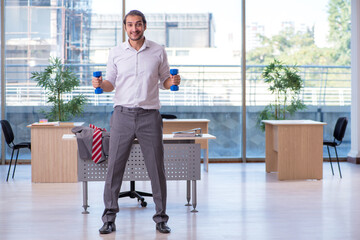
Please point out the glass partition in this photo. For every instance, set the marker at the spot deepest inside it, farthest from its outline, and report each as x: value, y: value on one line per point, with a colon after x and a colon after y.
x: 203, y: 40
x: 318, y: 43
x: 35, y: 31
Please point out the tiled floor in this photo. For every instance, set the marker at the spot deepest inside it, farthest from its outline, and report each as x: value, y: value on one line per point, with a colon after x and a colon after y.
x: 235, y: 201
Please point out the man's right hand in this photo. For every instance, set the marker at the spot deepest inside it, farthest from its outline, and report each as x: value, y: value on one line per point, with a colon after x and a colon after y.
x: 96, y: 82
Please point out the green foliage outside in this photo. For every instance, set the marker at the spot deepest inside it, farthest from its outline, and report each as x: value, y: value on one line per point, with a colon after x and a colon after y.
x: 340, y: 30
x: 58, y: 80
x: 285, y: 84
x: 300, y: 48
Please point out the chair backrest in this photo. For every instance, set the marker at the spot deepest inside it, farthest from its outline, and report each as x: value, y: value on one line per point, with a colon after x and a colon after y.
x: 7, y: 130
x: 168, y: 116
x: 340, y: 128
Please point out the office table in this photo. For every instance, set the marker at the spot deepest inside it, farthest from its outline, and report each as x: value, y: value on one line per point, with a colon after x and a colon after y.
x: 175, y: 125
x: 294, y: 148
x: 181, y: 160
x: 53, y: 160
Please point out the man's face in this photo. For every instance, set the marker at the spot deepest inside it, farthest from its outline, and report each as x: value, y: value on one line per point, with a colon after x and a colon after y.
x: 135, y: 27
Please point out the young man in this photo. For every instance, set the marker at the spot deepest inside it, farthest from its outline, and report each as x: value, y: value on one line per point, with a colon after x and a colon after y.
x: 136, y: 70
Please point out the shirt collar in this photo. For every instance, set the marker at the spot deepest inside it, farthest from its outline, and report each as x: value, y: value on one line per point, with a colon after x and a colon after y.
x: 143, y: 47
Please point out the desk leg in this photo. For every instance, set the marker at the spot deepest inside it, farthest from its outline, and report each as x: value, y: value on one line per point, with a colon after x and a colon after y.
x: 271, y: 148
x: 85, y: 197
x: 206, y: 160
x: 188, y: 196
x: 194, y: 196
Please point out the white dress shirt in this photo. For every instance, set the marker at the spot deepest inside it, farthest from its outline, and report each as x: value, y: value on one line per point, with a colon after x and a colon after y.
x: 137, y: 75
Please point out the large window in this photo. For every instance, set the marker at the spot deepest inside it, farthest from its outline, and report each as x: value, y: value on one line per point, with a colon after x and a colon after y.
x: 36, y: 30
x: 203, y: 40
x: 318, y: 42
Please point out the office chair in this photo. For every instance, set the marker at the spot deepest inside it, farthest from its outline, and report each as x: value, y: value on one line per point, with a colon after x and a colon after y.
x: 9, y: 138
x: 168, y: 116
x: 135, y: 194
x: 339, y: 133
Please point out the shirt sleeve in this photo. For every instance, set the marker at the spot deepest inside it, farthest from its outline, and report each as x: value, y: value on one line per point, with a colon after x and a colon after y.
x: 111, y: 70
x: 164, y: 69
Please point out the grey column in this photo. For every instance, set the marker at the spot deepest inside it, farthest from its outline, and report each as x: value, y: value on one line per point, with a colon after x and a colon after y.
x: 3, y: 80
x: 354, y: 154
x: 243, y: 80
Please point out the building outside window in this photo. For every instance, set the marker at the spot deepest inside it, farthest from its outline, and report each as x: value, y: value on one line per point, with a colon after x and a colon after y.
x: 203, y: 42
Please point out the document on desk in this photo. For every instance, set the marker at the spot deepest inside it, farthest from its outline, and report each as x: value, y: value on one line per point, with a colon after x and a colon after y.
x: 46, y: 124
x: 196, y: 132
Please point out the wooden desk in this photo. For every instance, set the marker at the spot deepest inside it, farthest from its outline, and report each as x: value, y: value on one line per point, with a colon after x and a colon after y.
x: 175, y: 125
x: 294, y: 148
x: 53, y: 160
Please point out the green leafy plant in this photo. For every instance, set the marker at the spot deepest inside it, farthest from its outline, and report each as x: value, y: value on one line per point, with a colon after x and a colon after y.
x: 285, y: 84
x: 59, y: 80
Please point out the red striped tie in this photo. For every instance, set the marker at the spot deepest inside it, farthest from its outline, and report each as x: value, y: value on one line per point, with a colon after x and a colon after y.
x: 97, y: 143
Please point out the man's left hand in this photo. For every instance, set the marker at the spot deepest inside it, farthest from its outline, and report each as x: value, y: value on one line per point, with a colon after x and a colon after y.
x: 175, y: 79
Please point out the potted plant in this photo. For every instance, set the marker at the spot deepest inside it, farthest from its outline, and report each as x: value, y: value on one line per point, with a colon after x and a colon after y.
x: 58, y: 80
x: 285, y: 84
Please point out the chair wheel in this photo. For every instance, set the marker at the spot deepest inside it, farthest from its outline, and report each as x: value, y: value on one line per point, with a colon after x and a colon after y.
x: 143, y: 204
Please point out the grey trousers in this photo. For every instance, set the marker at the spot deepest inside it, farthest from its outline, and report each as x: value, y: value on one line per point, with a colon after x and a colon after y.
x: 145, y: 125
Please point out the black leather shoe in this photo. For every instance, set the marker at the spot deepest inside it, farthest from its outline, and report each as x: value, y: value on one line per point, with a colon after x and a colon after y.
x: 107, y: 228
x: 163, y: 227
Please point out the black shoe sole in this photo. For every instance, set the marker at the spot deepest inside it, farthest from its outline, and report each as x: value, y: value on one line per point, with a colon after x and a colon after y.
x: 108, y: 232
x: 162, y: 231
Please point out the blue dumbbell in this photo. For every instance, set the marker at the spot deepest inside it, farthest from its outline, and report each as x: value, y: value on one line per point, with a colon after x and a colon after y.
x: 174, y: 71
x: 99, y: 89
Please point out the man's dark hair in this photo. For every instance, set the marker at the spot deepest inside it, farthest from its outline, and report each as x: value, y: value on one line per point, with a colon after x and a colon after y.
x: 135, y: 13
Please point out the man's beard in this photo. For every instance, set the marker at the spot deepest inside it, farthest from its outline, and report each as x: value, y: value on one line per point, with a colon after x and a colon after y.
x: 136, y: 39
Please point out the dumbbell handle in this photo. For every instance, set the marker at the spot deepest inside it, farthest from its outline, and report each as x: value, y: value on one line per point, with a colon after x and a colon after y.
x: 98, y: 90
x: 173, y: 72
